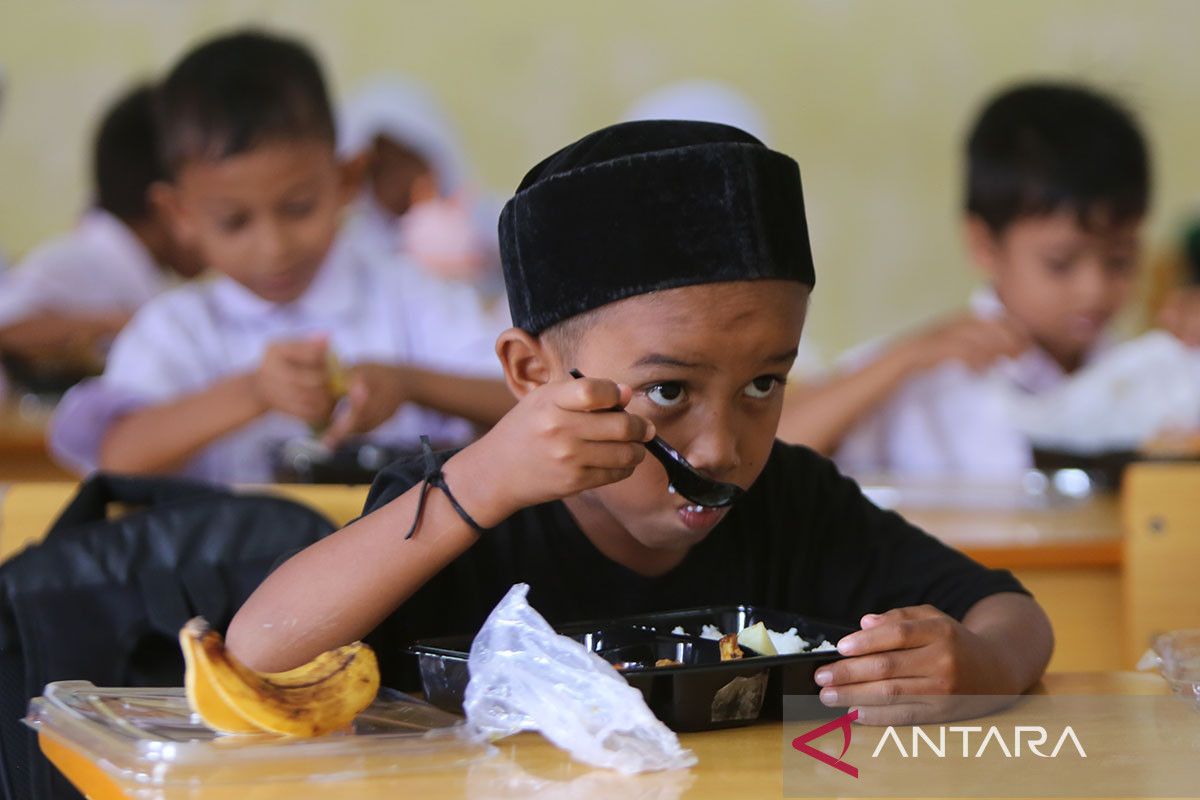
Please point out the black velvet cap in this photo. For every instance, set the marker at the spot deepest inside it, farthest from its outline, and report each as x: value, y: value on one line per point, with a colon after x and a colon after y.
x: 643, y: 206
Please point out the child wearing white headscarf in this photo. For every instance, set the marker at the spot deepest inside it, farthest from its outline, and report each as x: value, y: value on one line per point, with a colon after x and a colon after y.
x: 417, y: 198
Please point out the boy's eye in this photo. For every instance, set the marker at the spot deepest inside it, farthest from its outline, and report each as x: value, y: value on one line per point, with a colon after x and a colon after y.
x: 233, y: 223
x: 1059, y: 266
x: 1120, y: 264
x: 666, y: 394
x: 762, y: 386
x: 298, y: 208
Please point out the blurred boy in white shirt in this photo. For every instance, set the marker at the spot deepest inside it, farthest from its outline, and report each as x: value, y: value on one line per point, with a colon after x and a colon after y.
x: 210, y: 378
x: 1058, y: 184
x: 67, y: 300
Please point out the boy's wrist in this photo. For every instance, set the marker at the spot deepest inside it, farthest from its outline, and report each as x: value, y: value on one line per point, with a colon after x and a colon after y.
x: 1004, y: 666
x: 247, y: 385
x: 476, y: 486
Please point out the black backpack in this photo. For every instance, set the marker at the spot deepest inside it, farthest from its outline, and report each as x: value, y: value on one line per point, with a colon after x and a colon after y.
x: 103, y: 600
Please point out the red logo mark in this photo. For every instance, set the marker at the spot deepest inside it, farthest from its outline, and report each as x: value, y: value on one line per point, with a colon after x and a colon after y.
x: 843, y: 722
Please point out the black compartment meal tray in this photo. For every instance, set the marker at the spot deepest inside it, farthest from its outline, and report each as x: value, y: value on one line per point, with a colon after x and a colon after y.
x: 702, y: 693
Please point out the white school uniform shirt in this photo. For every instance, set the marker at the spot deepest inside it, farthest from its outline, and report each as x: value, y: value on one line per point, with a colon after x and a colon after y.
x: 100, y: 267
x: 951, y: 421
x: 197, y: 334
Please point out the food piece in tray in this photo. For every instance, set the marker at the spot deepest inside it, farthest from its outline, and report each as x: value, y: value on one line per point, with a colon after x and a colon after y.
x: 729, y: 647
x: 324, y: 695
x: 339, y: 381
x: 757, y: 639
x: 621, y: 666
x: 787, y: 643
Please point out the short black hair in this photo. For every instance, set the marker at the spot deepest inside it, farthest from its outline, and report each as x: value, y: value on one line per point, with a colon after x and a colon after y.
x: 566, y: 335
x: 1041, y: 148
x: 238, y: 91
x: 125, y: 156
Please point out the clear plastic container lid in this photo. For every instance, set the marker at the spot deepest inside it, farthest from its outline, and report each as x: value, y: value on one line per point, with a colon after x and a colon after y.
x: 150, y: 737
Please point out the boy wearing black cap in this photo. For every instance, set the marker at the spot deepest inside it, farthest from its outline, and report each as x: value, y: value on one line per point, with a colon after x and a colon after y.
x: 668, y: 261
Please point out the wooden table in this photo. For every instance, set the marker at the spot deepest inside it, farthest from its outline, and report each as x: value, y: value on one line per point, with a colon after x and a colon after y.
x: 737, y: 763
x: 23, y: 453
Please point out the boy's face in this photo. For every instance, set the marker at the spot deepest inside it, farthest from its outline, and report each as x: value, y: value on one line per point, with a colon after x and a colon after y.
x: 267, y: 217
x: 399, y: 177
x: 707, y: 365
x: 1063, y: 282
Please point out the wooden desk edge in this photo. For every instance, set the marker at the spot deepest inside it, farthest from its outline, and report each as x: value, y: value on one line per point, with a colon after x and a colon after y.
x: 1084, y: 555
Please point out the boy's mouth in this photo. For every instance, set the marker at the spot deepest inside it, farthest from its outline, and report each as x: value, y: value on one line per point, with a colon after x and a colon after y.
x: 699, y: 518
x: 695, y: 516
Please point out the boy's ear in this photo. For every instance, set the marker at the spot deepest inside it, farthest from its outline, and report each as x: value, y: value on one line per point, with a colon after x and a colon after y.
x: 527, y: 362
x: 353, y: 171
x: 983, y: 245
x: 164, y: 201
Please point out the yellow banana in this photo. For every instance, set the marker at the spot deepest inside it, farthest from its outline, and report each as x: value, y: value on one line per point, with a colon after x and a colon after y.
x: 339, y: 382
x: 202, y: 693
x: 321, y: 696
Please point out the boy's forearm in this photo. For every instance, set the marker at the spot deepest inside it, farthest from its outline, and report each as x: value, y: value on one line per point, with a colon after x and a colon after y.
x: 1020, y: 635
x: 341, y: 588
x: 53, y: 335
x: 481, y: 400
x: 820, y: 415
x: 161, y: 438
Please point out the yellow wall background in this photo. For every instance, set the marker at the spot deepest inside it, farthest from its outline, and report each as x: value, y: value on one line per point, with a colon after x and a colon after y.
x: 871, y: 97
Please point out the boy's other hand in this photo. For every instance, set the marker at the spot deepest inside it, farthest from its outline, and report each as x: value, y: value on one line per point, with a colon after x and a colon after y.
x: 293, y: 378
x: 373, y: 394
x: 903, y: 667
x: 561, y: 439
x: 976, y: 342
x: 1180, y: 315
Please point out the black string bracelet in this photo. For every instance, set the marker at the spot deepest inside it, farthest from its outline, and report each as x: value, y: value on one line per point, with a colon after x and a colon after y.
x: 435, y: 479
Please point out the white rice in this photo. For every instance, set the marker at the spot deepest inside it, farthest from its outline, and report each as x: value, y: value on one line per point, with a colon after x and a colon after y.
x: 787, y: 643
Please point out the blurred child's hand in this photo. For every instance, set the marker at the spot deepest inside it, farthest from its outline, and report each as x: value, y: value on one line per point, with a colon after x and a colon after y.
x: 373, y: 394
x: 1180, y: 315
x: 973, y: 341
x: 902, y: 667
x: 561, y: 439
x: 293, y: 378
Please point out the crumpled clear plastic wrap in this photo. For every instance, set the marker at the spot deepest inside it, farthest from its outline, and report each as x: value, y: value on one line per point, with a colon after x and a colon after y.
x: 1176, y: 656
x: 526, y: 677
x: 1128, y: 395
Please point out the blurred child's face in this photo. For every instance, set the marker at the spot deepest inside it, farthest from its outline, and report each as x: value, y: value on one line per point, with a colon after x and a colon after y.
x: 399, y: 177
x: 707, y: 366
x: 161, y: 236
x: 1061, y: 281
x: 267, y: 217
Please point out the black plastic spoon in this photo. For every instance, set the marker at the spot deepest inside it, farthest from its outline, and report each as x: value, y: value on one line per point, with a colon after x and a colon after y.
x: 684, y: 477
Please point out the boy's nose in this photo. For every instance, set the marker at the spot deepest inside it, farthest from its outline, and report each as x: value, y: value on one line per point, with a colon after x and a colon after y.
x: 275, y: 243
x: 714, y: 450
x: 1092, y: 283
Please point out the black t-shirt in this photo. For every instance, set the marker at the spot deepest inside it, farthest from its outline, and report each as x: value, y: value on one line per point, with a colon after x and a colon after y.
x: 804, y: 539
